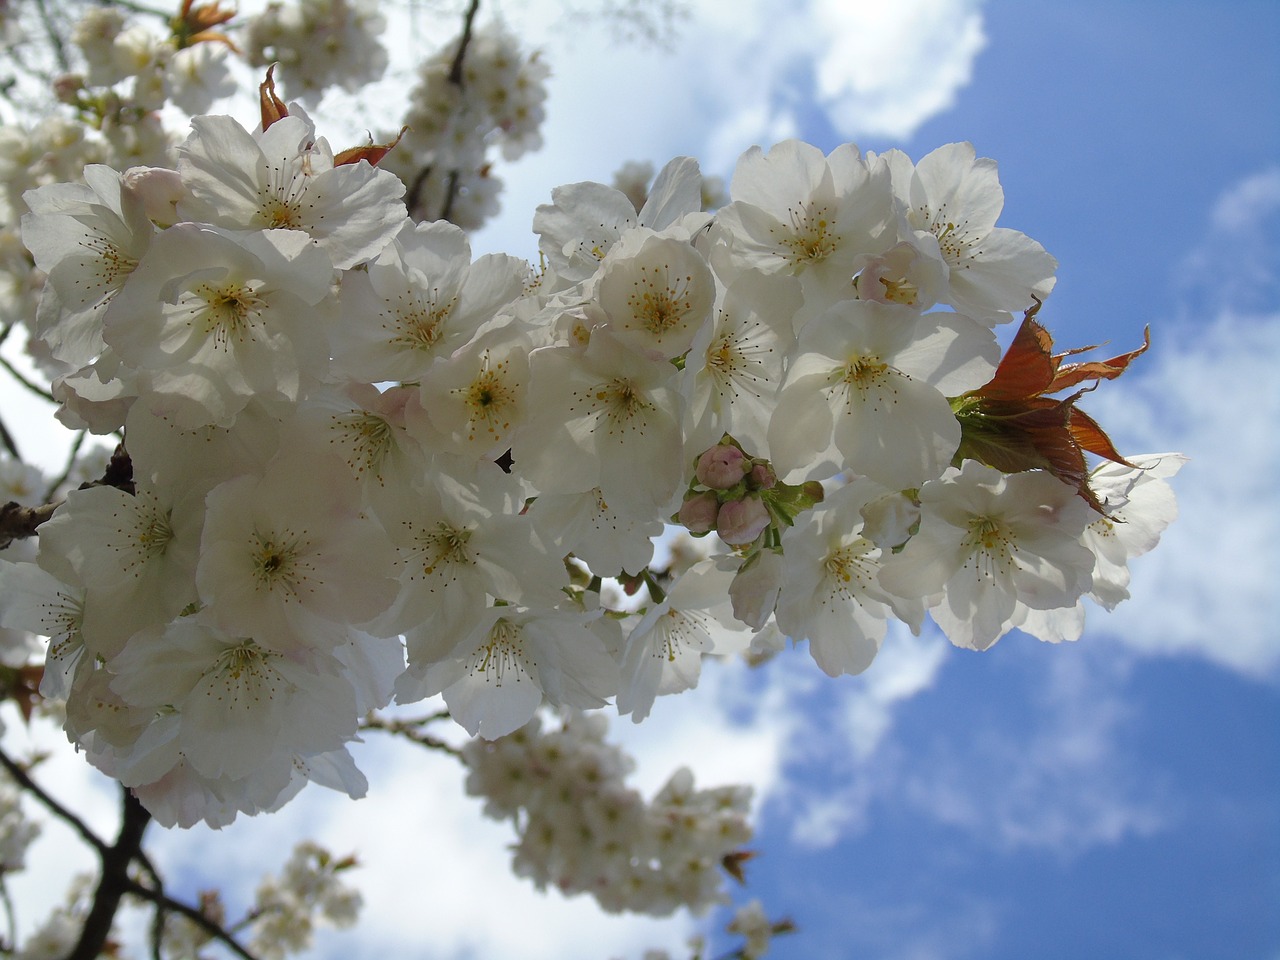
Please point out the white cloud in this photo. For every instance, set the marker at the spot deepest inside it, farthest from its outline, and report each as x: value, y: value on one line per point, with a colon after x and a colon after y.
x: 1208, y: 389
x: 1055, y: 780
x: 890, y: 67
x: 853, y: 733
x: 1249, y: 204
x: 740, y: 72
x: 1209, y: 588
x: 1233, y: 269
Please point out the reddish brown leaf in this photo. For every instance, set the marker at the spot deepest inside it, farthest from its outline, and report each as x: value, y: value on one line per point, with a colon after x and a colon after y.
x: 1027, y: 369
x: 273, y: 108
x: 1074, y: 373
x: 1091, y: 437
x: 371, y: 153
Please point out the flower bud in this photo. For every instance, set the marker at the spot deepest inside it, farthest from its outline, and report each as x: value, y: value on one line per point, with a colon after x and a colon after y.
x: 722, y: 467
x: 763, y: 477
x: 698, y: 512
x: 67, y: 87
x: 741, y: 521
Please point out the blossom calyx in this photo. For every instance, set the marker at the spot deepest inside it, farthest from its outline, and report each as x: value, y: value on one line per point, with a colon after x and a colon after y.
x: 194, y: 24
x: 1011, y: 424
x: 372, y: 153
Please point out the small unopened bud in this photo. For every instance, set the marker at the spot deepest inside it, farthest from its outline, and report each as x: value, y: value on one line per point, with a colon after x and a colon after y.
x: 67, y: 87
x: 698, y: 512
x: 722, y: 467
x: 763, y: 477
x: 741, y: 521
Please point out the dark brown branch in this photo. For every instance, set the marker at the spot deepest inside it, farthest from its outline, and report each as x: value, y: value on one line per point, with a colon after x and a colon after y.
x: 450, y: 194
x: 211, y: 927
x: 6, y: 438
x: 114, y: 881
x: 414, y: 194
x: 21, y: 777
x: 455, y: 68
x: 18, y: 522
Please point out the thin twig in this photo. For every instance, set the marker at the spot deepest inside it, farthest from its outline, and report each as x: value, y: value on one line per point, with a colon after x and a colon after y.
x: 211, y: 927
x: 71, y: 462
x: 450, y: 194
x: 55, y: 37
x: 409, y: 729
x: 455, y: 68
x: 6, y: 438
x: 138, y: 8
x: 21, y: 378
x: 58, y: 810
x: 414, y: 194
x: 10, y: 917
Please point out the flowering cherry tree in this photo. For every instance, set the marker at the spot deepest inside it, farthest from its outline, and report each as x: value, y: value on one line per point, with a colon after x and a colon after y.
x: 354, y: 465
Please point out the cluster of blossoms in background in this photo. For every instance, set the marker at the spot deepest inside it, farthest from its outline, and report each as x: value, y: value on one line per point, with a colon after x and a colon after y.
x: 359, y: 465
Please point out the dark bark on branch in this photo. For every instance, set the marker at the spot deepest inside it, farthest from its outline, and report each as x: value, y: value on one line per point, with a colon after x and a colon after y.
x: 455, y: 68
x: 114, y: 882
x: 414, y: 195
x: 164, y: 902
x: 18, y: 522
x: 23, y: 779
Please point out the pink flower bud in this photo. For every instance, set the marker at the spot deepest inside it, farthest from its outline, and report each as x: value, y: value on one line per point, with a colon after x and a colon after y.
x: 741, y: 521
x: 698, y: 512
x: 763, y: 477
x: 722, y: 467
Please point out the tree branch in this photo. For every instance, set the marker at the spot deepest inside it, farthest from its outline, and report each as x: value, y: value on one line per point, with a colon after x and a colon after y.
x: 18, y: 522
x: 411, y: 730
x: 23, y: 780
x: 114, y: 882
x: 22, y: 379
x: 455, y: 68
x: 211, y: 927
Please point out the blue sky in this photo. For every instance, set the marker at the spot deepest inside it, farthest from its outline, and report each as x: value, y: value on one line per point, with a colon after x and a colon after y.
x: 1091, y: 800
x: 1116, y: 797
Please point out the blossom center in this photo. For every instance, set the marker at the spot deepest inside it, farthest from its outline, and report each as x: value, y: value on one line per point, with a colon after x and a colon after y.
x: 657, y: 302
x: 229, y: 310
x: 421, y: 325
x: 502, y: 654
x: 490, y: 399
x: 954, y: 239
x: 368, y: 439
x: 847, y: 567
x: 811, y: 239
x: 900, y: 291
x: 989, y: 545
x: 110, y: 263
x: 446, y: 545
x: 277, y: 563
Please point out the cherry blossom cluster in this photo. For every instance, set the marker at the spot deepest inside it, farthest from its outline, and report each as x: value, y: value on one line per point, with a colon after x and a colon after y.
x: 460, y: 110
x: 310, y: 890
x: 583, y: 830
x: 366, y: 465
x: 16, y: 831
x: 318, y: 44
